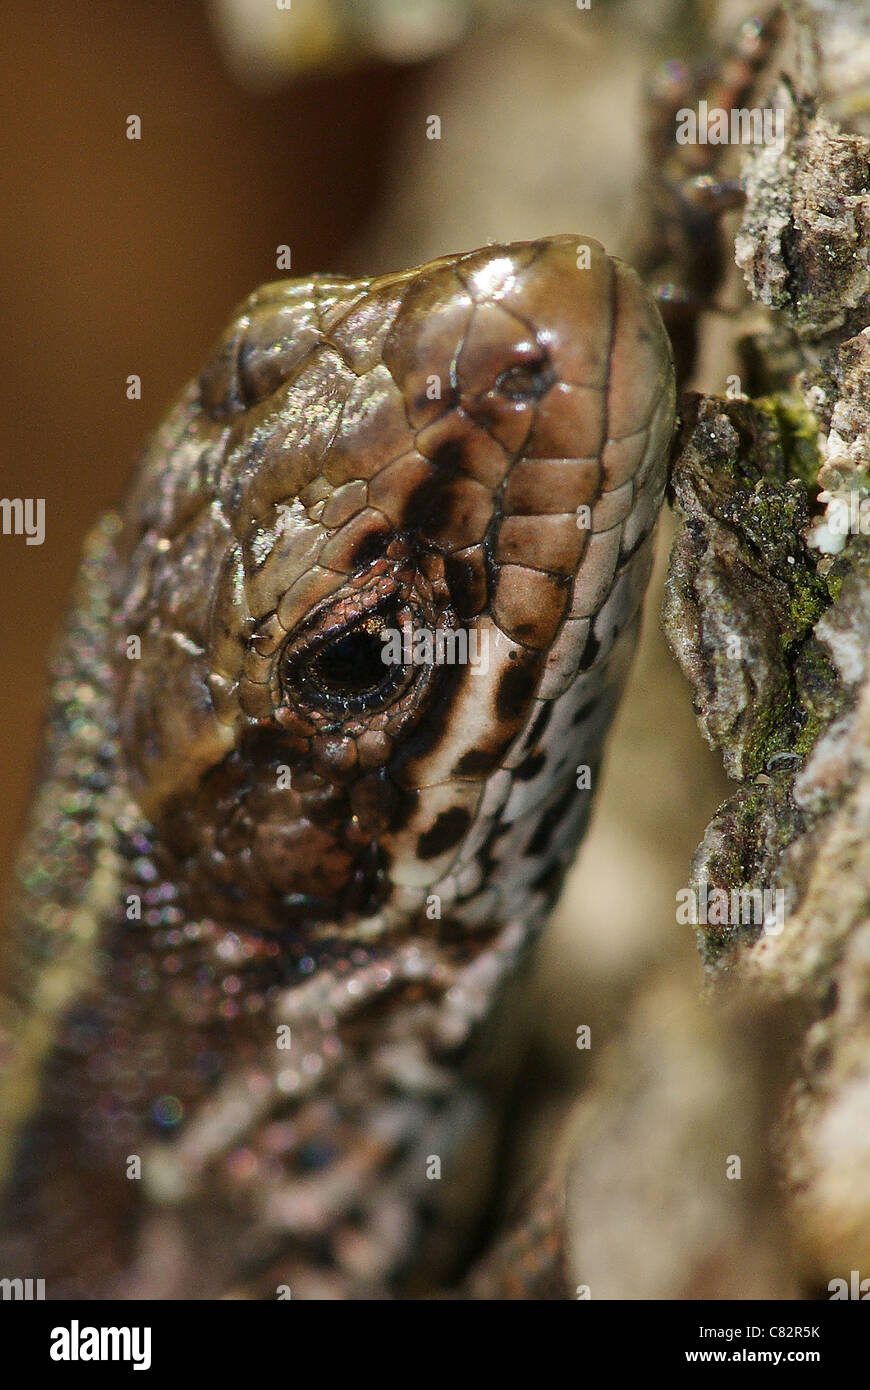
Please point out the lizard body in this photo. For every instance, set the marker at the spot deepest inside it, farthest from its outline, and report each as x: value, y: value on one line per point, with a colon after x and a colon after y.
x: 275, y: 885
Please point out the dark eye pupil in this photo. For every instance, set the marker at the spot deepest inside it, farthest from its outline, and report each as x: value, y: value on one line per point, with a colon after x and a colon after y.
x: 529, y: 381
x: 352, y: 664
x: 347, y: 674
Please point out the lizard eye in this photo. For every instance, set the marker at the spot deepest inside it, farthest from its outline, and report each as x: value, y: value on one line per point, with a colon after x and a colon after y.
x: 349, y: 670
x: 527, y: 381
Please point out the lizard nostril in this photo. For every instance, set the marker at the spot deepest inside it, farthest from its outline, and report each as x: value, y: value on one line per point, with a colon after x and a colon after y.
x: 528, y: 381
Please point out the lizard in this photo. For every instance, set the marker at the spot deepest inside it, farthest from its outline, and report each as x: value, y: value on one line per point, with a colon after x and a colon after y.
x: 275, y: 887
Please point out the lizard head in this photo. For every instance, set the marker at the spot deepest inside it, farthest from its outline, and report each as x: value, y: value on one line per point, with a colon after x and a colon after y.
x: 383, y: 563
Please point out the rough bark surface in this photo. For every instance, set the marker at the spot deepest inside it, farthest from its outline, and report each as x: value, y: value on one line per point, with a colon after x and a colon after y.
x: 767, y: 610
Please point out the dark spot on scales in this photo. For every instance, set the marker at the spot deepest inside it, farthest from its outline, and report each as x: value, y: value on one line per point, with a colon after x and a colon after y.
x: 477, y: 762
x: 549, y: 879
x: 515, y: 690
x: 590, y: 651
x: 445, y: 834
x: 539, y: 728
x: 450, y: 400
x: 370, y: 548
x: 530, y: 766
x: 467, y: 592
x: 403, y: 803
x: 431, y: 730
x: 428, y: 503
x: 583, y: 712
x: 551, y: 820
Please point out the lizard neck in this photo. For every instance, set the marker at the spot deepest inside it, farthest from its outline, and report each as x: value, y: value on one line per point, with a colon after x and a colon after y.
x: 161, y: 1052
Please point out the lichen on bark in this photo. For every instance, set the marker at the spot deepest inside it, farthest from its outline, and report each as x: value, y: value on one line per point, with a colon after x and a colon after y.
x: 743, y: 593
x: 767, y: 611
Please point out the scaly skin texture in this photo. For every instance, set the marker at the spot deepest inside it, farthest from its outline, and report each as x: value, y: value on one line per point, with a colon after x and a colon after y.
x: 274, y: 887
